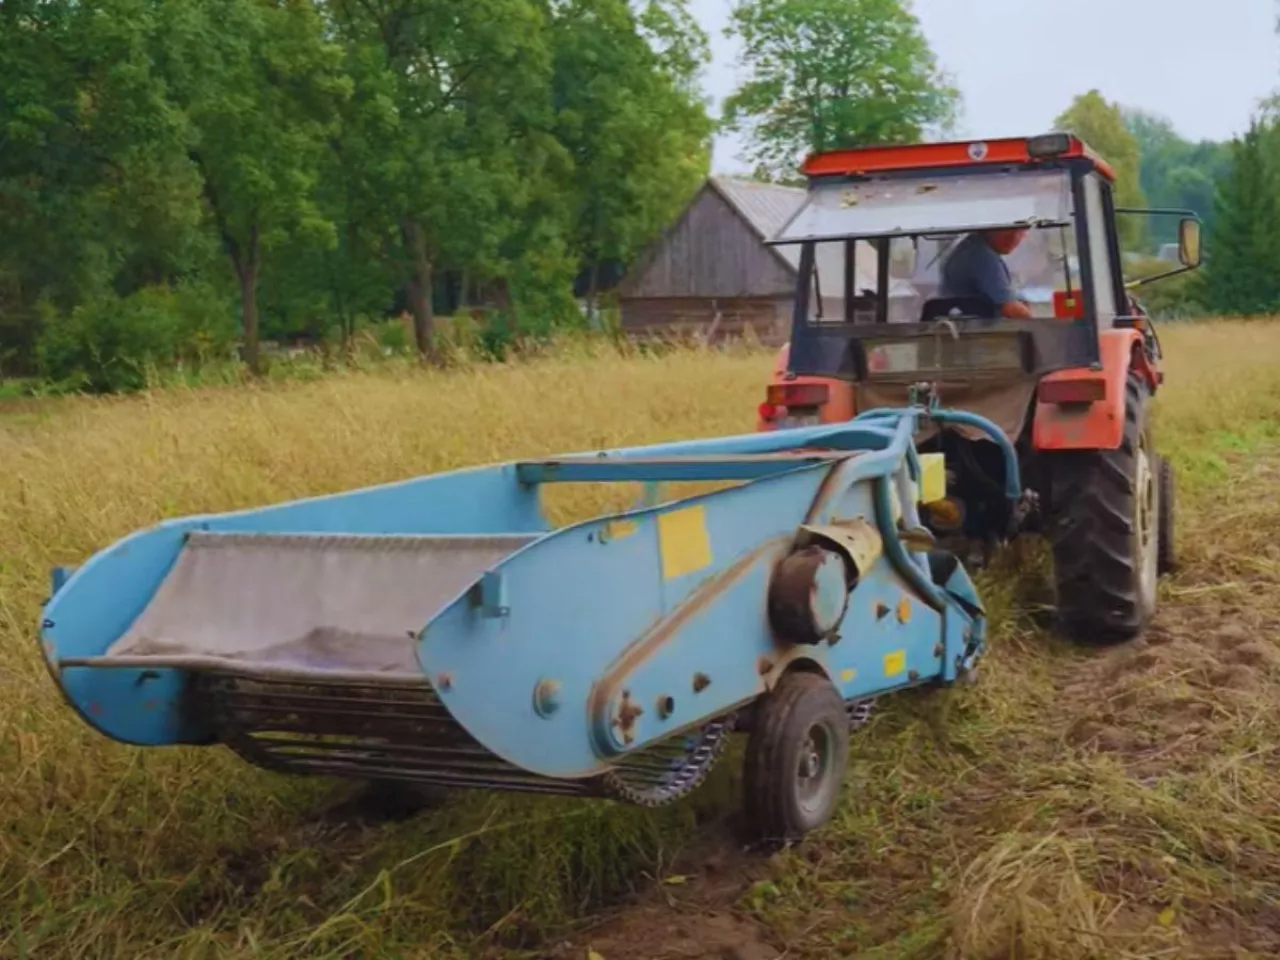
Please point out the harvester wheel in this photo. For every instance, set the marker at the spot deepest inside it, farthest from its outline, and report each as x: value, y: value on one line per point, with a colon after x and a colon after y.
x: 1168, y: 556
x: 796, y: 758
x: 1106, y: 531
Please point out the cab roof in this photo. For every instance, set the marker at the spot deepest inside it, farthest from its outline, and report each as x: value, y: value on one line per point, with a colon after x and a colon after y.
x: 1010, y: 151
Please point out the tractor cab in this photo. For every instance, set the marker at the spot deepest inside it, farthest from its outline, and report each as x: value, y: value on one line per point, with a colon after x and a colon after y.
x: 903, y: 253
x: 874, y: 316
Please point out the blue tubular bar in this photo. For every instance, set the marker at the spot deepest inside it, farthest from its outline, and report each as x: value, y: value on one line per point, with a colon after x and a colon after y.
x: 853, y: 436
x: 684, y: 468
x: 1013, y: 478
x: 898, y: 554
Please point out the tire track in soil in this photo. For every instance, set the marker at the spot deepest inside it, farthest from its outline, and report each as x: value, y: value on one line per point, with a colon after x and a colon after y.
x: 1164, y: 705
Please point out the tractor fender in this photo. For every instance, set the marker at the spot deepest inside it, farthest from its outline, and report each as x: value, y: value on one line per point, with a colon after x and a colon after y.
x: 1096, y: 425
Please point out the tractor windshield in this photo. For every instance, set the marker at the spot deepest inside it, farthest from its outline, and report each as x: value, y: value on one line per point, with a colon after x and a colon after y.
x: 892, y: 207
x: 1044, y: 262
x: 873, y: 255
x: 921, y: 221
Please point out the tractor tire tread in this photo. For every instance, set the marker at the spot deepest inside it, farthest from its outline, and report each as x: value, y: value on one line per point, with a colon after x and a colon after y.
x: 1099, y: 597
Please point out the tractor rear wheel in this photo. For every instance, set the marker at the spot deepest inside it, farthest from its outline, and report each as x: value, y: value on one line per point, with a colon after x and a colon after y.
x: 1106, y: 531
x: 796, y: 758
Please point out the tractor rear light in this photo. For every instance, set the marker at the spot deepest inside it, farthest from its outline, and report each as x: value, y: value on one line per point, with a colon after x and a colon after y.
x: 1049, y: 145
x: 797, y: 394
x: 768, y: 411
x: 1084, y: 390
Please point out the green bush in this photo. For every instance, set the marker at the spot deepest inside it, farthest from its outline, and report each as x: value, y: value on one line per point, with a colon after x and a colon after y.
x: 394, y: 337
x: 542, y: 304
x: 113, y: 344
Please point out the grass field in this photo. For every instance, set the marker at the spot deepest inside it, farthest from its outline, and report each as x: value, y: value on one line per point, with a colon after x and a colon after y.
x: 1122, y: 803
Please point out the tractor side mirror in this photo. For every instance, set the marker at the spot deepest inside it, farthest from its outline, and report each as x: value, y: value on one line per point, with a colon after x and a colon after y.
x: 1189, y: 242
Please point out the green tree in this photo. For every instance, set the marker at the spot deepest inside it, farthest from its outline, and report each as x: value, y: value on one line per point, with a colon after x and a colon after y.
x: 1101, y: 125
x: 1176, y: 173
x: 95, y: 193
x: 448, y: 132
x: 631, y: 121
x: 1243, y: 272
x: 258, y: 86
x: 830, y: 74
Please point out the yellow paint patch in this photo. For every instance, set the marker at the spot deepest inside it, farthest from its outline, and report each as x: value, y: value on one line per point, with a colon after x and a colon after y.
x: 904, y: 610
x: 620, y: 530
x: 933, y: 477
x: 683, y: 542
x: 895, y: 663
x: 847, y: 675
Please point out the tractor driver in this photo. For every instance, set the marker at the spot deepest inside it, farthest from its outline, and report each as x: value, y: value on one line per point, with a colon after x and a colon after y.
x: 976, y: 268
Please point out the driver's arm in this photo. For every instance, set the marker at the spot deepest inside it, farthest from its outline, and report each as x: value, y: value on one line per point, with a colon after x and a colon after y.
x: 993, y: 281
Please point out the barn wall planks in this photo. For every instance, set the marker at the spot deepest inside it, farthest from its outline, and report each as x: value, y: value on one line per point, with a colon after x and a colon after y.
x: 711, y: 252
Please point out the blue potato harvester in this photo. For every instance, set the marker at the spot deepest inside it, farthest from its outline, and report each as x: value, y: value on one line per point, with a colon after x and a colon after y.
x: 439, y: 632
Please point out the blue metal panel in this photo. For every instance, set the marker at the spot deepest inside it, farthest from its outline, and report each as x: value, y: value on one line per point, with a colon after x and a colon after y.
x: 95, y: 607
x: 579, y: 598
x: 705, y: 664
x: 877, y: 652
x: 99, y: 602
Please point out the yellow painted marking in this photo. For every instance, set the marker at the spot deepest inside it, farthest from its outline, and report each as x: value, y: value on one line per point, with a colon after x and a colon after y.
x: 895, y: 663
x: 620, y: 529
x: 848, y: 675
x: 933, y: 477
x: 684, y: 543
x: 904, y: 610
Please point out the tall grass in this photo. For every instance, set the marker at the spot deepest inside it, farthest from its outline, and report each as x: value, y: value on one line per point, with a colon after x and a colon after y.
x: 107, y: 850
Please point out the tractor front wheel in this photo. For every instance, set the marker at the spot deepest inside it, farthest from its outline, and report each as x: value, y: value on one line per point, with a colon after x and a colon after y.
x: 1106, y: 531
x: 796, y: 758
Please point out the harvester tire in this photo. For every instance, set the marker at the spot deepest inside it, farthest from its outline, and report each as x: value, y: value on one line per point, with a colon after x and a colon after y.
x: 796, y: 758
x: 1168, y: 555
x: 1106, y: 529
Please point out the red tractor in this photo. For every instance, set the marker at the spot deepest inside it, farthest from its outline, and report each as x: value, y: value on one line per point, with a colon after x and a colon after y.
x: 883, y: 317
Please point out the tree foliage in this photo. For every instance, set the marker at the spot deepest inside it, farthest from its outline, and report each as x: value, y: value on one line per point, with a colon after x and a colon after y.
x: 320, y: 163
x: 1101, y: 124
x: 1244, y: 274
x: 827, y: 74
x: 1176, y: 174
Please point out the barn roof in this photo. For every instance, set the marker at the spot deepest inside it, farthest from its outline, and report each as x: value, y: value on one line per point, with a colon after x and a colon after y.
x: 765, y: 206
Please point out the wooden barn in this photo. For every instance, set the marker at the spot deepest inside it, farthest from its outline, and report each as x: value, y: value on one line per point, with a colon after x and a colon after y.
x: 712, y: 276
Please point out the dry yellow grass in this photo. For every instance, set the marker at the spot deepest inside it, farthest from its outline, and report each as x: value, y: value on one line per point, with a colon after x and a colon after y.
x: 1069, y: 805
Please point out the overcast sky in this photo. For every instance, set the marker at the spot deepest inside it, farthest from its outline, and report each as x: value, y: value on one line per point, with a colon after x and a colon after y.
x: 1019, y: 63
